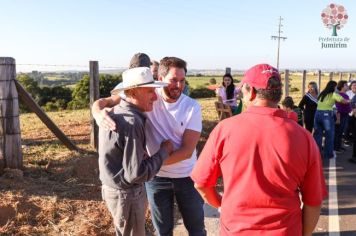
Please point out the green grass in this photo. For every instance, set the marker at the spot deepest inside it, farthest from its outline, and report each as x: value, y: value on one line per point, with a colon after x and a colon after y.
x: 54, y: 78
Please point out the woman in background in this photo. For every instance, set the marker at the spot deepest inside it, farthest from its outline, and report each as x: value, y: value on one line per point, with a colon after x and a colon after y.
x: 343, y: 111
x: 308, y: 105
x: 324, y: 119
x: 229, y: 94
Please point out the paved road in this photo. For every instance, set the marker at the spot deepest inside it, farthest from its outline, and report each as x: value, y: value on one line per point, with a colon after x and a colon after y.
x: 338, y: 215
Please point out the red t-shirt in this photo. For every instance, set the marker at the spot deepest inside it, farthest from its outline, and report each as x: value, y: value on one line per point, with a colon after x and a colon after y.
x: 265, y: 160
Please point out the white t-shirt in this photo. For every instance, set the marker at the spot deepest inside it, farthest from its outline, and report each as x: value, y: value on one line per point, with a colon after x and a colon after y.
x: 221, y: 91
x: 350, y: 94
x: 169, y: 121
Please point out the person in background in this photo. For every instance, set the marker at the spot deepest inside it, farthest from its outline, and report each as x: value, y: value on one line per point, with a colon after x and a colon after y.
x: 229, y: 94
x: 349, y: 127
x: 154, y: 69
x: 324, y: 119
x: 288, y: 105
x: 308, y: 105
x: 268, y: 165
x: 186, y: 88
x: 353, y: 105
x: 343, y: 111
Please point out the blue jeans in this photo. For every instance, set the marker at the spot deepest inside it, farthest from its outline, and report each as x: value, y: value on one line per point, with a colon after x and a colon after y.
x: 340, y: 129
x: 161, y: 192
x: 324, y: 122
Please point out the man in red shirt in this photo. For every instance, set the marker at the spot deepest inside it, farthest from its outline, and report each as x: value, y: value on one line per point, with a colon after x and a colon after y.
x: 266, y: 161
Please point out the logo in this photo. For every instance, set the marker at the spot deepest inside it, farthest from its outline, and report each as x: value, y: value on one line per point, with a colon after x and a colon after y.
x: 334, y: 17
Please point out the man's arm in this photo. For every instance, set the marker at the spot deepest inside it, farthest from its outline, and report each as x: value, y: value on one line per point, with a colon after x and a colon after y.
x: 189, y: 142
x: 100, y: 110
x: 210, y: 195
x: 310, y: 218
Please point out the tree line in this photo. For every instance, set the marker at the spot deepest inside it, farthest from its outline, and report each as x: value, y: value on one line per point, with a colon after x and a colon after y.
x: 63, y: 97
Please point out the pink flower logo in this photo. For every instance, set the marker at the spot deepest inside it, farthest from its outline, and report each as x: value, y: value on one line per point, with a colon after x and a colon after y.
x: 334, y: 17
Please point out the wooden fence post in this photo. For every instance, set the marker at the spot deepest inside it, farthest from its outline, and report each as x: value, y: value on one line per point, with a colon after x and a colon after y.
x: 350, y: 76
x: 228, y: 70
x: 319, y: 80
x: 286, y: 83
x: 340, y: 76
x: 331, y: 75
x: 94, y: 95
x: 10, y: 135
x: 304, y: 80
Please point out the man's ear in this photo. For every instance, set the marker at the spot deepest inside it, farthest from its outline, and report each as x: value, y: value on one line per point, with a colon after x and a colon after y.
x: 253, y: 94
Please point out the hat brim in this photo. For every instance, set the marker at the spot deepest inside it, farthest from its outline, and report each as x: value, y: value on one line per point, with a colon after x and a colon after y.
x: 120, y: 87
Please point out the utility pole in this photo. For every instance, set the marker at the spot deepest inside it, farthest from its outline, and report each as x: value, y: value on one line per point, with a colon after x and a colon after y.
x: 279, y: 37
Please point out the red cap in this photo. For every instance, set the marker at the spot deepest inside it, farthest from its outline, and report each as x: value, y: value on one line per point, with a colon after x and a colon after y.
x: 258, y: 76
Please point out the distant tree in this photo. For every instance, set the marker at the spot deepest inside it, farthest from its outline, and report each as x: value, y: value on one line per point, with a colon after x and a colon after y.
x: 212, y: 81
x: 31, y: 86
x: 107, y: 83
x: 80, y: 93
x: 201, y: 92
x: 60, y: 96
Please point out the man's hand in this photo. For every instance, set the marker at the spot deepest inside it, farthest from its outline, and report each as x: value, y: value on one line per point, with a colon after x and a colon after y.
x: 103, y: 119
x: 168, y: 146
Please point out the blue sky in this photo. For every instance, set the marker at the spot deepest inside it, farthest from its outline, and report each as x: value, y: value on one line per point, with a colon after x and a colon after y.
x: 207, y: 34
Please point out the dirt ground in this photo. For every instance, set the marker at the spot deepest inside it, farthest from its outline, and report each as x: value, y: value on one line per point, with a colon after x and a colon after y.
x: 58, y: 191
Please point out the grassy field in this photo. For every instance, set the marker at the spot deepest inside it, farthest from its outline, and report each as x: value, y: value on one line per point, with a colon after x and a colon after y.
x: 58, y: 191
x: 295, y: 80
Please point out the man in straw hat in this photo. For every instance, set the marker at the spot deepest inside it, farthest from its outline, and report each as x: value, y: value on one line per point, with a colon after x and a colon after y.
x: 177, y: 117
x: 124, y: 164
x: 266, y: 163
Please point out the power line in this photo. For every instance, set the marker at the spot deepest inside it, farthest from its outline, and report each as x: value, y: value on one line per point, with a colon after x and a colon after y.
x: 279, y: 37
x: 68, y: 65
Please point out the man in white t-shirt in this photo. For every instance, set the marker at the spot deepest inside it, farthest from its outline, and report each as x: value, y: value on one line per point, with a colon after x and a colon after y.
x: 177, y: 117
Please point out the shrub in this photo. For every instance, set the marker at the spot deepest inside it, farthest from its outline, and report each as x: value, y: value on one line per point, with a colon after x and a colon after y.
x: 294, y: 89
x: 31, y: 86
x: 212, y: 81
x: 201, y: 92
x: 81, y: 91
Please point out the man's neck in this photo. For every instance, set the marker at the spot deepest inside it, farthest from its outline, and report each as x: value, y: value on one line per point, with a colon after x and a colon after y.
x: 265, y: 103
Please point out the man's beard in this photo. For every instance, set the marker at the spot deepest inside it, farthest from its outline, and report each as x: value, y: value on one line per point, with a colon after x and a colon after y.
x: 168, y: 94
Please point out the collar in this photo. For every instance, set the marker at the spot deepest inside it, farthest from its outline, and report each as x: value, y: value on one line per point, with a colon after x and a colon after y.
x: 131, y: 107
x: 267, y: 111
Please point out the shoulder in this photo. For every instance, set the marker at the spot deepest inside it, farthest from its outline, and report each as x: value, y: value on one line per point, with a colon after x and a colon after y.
x: 127, y: 120
x: 187, y: 101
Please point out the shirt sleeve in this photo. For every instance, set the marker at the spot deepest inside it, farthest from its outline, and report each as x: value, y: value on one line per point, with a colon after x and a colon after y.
x: 138, y: 166
x: 207, y: 169
x: 313, y: 188
x: 302, y: 103
x: 337, y: 97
